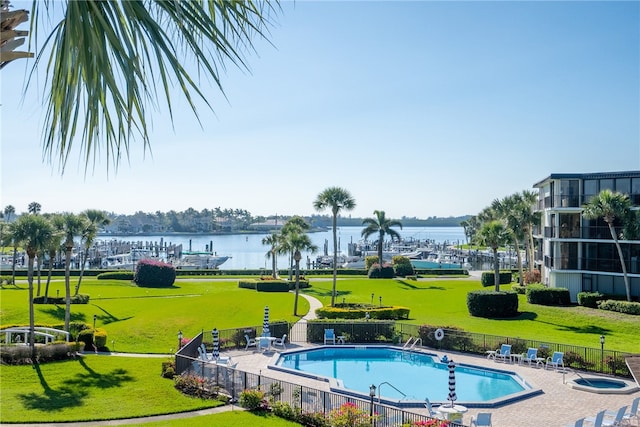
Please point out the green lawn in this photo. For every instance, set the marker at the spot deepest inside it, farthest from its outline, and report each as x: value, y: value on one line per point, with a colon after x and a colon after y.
x: 228, y: 419
x: 90, y: 388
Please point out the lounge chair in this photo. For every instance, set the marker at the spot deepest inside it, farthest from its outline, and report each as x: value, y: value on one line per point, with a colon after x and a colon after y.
x: 597, y: 420
x: 329, y: 336
x: 432, y: 412
x: 531, y: 356
x: 555, y: 360
x: 483, y: 419
x: 251, y: 342
x: 203, y: 355
x: 264, y: 343
x: 578, y: 423
x: 281, y: 342
x: 633, y: 412
x: 504, y: 352
x: 616, y: 417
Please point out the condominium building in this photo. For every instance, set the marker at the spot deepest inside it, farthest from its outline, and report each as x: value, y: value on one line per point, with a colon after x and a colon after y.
x: 577, y: 253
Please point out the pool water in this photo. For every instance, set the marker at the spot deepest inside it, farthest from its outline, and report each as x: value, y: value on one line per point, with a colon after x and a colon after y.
x: 600, y: 383
x: 402, y: 374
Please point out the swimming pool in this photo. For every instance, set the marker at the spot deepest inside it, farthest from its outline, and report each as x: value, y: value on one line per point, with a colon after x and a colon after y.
x: 403, y: 376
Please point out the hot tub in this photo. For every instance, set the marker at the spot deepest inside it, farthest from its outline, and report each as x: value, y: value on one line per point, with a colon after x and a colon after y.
x: 603, y: 385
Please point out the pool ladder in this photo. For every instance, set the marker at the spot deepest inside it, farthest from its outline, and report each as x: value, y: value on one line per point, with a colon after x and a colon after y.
x: 411, y: 343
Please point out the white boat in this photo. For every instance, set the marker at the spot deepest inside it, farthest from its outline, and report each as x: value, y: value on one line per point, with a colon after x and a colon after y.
x: 190, y: 259
x: 118, y: 262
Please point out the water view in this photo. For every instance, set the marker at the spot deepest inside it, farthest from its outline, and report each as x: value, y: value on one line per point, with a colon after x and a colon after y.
x: 248, y: 252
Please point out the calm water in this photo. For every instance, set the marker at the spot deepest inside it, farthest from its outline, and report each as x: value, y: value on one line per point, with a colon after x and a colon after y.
x: 359, y: 368
x: 247, y: 250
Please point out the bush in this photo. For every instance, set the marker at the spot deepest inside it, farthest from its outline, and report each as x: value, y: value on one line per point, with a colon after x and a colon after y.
x: 193, y: 385
x: 358, y: 311
x: 253, y: 400
x: 21, y: 354
x: 355, y: 331
x: 589, y: 299
x: 487, y: 278
x: 403, y: 270
x: 491, y: 304
x: 75, y: 299
x: 540, y: 294
x: 625, y: 307
x: 384, y: 272
x: 100, y: 338
x: 6, y: 280
x: 519, y: 289
x: 533, y: 276
x: 116, y: 275
x: 168, y: 369
x: 156, y: 274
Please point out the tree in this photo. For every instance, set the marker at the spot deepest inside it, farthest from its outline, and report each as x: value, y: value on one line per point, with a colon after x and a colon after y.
x: 494, y: 234
x: 95, y: 220
x: 612, y: 206
x: 337, y: 199
x: 102, y: 82
x: 70, y: 226
x: 294, y: 241
x: 512, y: 209
x: 9, y: 211
x: 34, y: 208
x: 295, y: 224
x: 34, y: 233
x: 382, y: 226
x: 273, y: 241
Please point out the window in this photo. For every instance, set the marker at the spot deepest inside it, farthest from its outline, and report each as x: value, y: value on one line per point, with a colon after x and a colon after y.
x: 623, y: 185
x: 606, y: 184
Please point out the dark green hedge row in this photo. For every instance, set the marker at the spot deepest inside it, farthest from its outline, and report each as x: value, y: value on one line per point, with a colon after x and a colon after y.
x: 21, y: 354
x: 116, y: 275
x: 539, y: 294
x: 442, y: 271
x: 519, y: 289
x: 359, y: 312
x: 385, y: 272
x: 75, y: 299
x: 625, y: 307
x: 589, y: 299
x: 488, y: 278
x: 491, y: 304
x: 359, y: 332
x: 154, y: 274
x: 272, y: 285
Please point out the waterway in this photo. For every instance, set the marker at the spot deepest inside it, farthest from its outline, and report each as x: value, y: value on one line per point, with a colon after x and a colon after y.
x: 248, y: 252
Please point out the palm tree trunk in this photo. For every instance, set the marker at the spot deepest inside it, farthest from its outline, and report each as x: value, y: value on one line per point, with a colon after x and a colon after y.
x: 84, y: 262
x: 13, y: 266
x: 496, y: 269
x: 627, y: 288
x: 335, y: 258
x: 67, y: 289
x: 39, y: 274
x: 274, y: 272
x: 531, y: 249
x: 46, y: 286
x: 380, y: 240
x: 295, y: 301
x: 32, y: 341
x: 517, y: 249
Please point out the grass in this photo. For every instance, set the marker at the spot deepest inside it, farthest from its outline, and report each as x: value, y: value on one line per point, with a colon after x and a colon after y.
x: 229, y: 419
x: 90, y: 388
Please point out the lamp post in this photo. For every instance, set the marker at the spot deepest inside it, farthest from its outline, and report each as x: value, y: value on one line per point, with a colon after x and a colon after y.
x: 380, y: 300
x: 372, y: 394
x: 95, y: 316
x: 372, y: 298
x: 297, y: 257
x: 601, y: 353
x: 179, y: 340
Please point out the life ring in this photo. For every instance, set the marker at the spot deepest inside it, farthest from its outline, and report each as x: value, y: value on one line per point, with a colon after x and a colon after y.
x: 439, y: 334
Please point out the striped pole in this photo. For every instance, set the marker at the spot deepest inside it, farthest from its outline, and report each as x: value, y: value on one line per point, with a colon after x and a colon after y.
x: 265, y: 323
x: 216, y: 344
x: 452, y: 382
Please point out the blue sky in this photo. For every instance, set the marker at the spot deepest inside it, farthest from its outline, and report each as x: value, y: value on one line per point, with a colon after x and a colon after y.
x: 418, y: 108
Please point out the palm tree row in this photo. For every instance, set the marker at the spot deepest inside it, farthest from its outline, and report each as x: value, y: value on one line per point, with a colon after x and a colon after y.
x: 42, y: 235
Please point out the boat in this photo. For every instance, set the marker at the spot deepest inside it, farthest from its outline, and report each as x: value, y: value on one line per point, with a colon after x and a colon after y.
x: 118, y: 262
x: 195, y: 259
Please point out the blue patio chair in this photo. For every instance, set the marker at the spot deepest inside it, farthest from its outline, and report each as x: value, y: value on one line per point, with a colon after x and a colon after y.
x: 504, y: 352
x: 329, y: 336
x: 556, y: 361
x: 597, y: 420
x: 483, y: 419
x: 578, y: 423
x: 251, y: 342
x: 616, y: 417
x: 531, y: 356
x: 432, y: 412
x: 633, y: 412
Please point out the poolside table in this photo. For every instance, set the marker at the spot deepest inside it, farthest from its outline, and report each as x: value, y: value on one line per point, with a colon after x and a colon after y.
x: 491, y: 354
x: 452, y: 413
x: 341, y: 339
x: 517, y: 358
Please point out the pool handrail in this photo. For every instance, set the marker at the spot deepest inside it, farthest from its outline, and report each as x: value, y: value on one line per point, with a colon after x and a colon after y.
x: 390, y: 385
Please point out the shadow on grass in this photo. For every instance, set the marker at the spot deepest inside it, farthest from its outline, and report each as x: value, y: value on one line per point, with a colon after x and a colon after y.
x: 51, y: 399
x: 57, y: 311
x: 115, y: 378
x: 412, y: 285
x: 108, y: 318
x: 327, y: 293
x: 584, y: 329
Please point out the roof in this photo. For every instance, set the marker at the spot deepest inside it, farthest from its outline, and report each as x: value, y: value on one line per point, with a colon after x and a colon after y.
x: 589, y: 175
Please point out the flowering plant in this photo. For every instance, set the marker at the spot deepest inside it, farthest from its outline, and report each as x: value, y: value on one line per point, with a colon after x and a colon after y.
x: 349, y: 415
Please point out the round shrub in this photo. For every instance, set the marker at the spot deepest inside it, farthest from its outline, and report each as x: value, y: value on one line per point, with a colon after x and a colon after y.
x: 589, y: 299
x: 377, y: 272
x: 487, y: 278
x: 403, y: 270
x: 540, y: 294
x: 492, y: 305
x: 155, y: 274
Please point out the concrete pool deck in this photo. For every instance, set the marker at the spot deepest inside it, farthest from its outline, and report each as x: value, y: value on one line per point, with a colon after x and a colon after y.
x: 558, y: 405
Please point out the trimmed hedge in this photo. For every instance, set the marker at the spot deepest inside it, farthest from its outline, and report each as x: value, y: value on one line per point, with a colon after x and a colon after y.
x: 385, y: 272
x: 75, y: 299
x: 492, y: 305
x: 359, y: 311
x: 272, y: 285
x: 589, y: 299
x: 154, y: 274
x: 403, y: 270
x: 116, y: 275
x: 539, y: 294
x: 488, y: 278
x: 625, y: 307
x: 354, y: 331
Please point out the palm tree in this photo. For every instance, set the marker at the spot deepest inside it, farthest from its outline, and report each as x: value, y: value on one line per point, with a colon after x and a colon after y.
x: 494, y: 234
x: 70, y: 226
x: 273, y: 241
x: 103, y: 82
x: 530, y: 218
x: 34, y: 208
x: 33, y: 232
x: 9, y: 211
x: 610, y: 206
x: 382, y: 226
x: 95, y: 220
x: 52, y: 248
x: 337, y: 199
x: 511, y: 209
x: 294, y: 241
x: 295, y: 224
